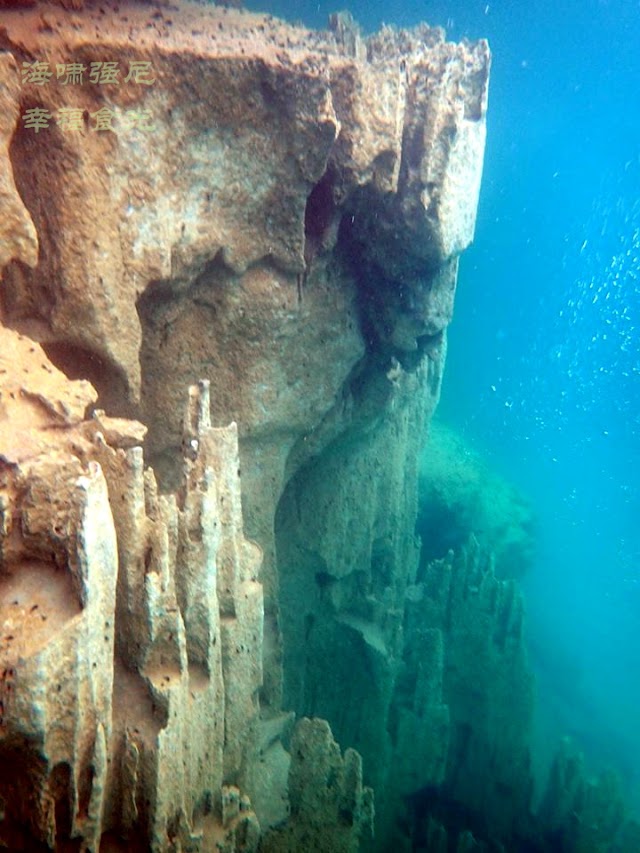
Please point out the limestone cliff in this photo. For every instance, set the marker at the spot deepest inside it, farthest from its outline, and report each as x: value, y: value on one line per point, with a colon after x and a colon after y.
x: 198, y: 198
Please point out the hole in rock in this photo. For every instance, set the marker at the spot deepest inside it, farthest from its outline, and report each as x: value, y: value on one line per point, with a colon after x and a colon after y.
x: 319, y: 214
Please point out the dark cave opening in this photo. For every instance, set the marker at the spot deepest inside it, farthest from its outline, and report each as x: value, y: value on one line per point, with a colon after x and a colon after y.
x: 319, y: 215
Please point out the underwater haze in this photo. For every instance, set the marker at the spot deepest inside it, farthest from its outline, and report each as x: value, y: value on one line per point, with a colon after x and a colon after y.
x: 543, y: 370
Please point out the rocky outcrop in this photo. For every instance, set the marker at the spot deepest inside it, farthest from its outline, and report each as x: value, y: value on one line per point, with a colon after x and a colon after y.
x: 466, y: 656
x: 586, y: 812
x: 201, y: 198
x: 328, y: 799
x: 132, y: 622
x: 461, y: 496
x: 132, y: 640
x: 303, y: 197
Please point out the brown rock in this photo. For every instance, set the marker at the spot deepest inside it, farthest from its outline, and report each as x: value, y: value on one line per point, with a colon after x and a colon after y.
x: 276, y: 215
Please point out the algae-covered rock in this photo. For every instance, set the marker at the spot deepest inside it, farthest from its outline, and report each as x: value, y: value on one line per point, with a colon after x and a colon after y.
x: 460, y: 495
x: 582, y: 812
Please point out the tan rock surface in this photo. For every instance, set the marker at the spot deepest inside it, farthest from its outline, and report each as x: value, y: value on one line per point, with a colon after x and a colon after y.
x: 36, y: 399
x: 278, y: 213
x: 18, y: 237
x: 123, y: 696
x: 221, y: 182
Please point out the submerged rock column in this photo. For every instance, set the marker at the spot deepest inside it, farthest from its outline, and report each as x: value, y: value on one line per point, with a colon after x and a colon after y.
x: 278, y: 213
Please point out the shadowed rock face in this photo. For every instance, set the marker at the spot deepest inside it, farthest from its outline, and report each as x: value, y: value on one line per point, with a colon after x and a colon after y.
x: 277, y: 215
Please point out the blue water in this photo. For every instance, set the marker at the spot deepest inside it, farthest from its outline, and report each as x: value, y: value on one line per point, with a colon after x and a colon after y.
x: 543, y: 371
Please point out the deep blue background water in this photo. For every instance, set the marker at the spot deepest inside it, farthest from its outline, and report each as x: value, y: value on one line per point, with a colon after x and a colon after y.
x: 543, y: 371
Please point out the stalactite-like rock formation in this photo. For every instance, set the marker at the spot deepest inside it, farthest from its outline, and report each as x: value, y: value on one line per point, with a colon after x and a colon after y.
x: 584, y: 812
x: 470, y: 624
x: 220, y: 635
x: 132, y: 622
x: 131, y: 649
x: 302, y: 196
x: 228, y: 257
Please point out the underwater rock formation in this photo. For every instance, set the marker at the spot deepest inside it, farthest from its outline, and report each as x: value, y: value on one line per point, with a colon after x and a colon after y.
x: 460, y: 496
x: 132, y: 622
x: 254, y: 224
x: 212, y: 219
x: 131, y: 647
x: 301, y: 196
x: 583, y: 812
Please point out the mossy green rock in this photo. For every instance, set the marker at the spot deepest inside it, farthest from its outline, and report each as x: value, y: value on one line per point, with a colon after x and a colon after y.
x: 460, y: 495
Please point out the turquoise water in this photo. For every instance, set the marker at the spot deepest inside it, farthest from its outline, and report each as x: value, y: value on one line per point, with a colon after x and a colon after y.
x: 549, y: 305
x: 543, y: 371
x: 555, y: 403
